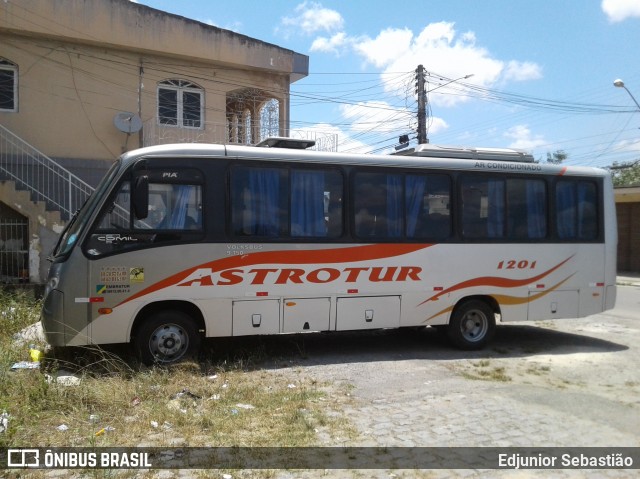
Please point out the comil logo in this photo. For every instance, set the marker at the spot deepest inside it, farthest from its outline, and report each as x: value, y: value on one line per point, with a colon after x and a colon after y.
x: 23, y: 458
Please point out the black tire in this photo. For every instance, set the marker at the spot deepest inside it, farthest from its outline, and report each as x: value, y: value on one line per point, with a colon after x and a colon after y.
x: 472, y: 325
x: 167, y: 337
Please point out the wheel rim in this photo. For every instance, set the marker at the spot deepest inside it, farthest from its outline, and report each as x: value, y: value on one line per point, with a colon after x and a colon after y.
x: 168, y: 342
x: 474, y: 325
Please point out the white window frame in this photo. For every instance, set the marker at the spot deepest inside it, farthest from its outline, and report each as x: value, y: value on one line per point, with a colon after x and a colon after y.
x: 10, y: 66
x: 181, y: 87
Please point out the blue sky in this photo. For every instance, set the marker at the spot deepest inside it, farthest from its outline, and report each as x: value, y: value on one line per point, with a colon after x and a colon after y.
x: 542, y: 81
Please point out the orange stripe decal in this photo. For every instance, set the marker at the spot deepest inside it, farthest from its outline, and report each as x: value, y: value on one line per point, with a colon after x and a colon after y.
x: 495, y: 281
x: 514, y: 300
x: 509, y: 300
x: 290, y: 257
x: 446, y: 310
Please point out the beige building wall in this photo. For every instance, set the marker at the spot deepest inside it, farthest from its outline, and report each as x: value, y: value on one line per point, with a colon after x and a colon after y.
x: 80, y: 62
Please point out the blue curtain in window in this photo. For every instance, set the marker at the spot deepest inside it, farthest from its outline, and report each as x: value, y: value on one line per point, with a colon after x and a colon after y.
x: 307, y: 204
x: 415, y: 187
x: 536, y: 213
x: 394, y: 206
x: 180, y: 199
x: 264, y: 214
x: 587, y: 222
x: 566, y: 208
x: 495, y: 211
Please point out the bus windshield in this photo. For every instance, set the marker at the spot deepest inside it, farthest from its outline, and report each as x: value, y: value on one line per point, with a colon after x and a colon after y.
x: 79, y: 219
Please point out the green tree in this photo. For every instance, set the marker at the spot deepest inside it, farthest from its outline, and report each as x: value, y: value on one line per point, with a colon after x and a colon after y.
x: 555, y: 158
x: 625, y: 174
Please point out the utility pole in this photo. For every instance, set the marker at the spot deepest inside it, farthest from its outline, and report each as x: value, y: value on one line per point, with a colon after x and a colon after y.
x: 422, y: 106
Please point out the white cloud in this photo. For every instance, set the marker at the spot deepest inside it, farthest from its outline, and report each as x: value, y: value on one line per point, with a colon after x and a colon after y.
x: 523, y: 139
x: 436, y: 125
x: 377, y: 120
x: 619, y: 10
x: 375, y: 115
x: 522, y: 71
x: 310, y: 18
x: 370, y: 123
x: 628, y: 145
x: 438, y: 46
x: 385, y: 47
x: 442, y: 50
x: 330, y: 45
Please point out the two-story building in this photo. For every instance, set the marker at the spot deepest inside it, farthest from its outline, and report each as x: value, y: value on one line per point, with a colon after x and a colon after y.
x: 82, y: 81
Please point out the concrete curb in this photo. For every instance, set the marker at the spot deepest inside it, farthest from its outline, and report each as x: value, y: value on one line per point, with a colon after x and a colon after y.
x: 628, y: 281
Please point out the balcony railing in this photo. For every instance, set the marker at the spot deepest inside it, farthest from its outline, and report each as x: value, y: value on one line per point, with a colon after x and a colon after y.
x: 155, y: 133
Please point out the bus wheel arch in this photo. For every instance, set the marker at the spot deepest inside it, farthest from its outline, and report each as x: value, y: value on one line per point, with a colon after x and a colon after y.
x: 473, y: 322
x: 167, y: 332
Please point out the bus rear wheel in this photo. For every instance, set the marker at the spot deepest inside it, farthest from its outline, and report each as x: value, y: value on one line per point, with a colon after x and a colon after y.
x: 167, y: 337
x: 472, y: 325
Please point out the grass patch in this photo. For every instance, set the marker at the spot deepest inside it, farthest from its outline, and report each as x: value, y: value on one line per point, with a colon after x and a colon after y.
x: 537, y: 370
x: 218, y: 403
x: 483, y: 371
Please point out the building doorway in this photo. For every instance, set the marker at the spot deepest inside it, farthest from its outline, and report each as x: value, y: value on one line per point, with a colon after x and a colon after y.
x: 14, y: 246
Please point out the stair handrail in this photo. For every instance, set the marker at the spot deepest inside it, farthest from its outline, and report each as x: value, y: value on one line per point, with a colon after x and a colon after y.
x: 25, y: 155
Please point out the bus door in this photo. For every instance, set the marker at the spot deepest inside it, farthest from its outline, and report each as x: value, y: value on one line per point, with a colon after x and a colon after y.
x: 77, y: 302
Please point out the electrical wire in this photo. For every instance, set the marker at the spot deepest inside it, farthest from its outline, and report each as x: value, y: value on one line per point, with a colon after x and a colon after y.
x: 374, y: 106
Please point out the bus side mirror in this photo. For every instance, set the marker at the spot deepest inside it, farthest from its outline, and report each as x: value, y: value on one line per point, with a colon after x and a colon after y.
x: 140, y: 197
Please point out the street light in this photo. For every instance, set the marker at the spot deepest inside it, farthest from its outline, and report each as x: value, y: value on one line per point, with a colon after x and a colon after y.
x: 620, y: 84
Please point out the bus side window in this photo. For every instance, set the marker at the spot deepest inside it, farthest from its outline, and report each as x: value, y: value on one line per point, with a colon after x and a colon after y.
x: 483, y: 208
x: 316, y: 203
x: 587, y: 210
x: 474, y: 224
x: 258, y: 201
x: 427, y: 201
x: 526, y: 209
x: 577, y: 210
x: 378, y: 208
x: 173, y: 207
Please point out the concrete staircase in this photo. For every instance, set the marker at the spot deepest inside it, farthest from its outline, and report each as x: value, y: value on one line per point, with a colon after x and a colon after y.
x: 38, y: 188
x: 44, y: 227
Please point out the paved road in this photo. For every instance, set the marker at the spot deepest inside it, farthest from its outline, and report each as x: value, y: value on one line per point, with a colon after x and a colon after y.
x: 554, y: 383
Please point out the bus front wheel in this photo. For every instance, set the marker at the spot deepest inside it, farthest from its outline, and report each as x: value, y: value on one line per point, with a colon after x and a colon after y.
x: 472, y: 325
x: 167, y: 337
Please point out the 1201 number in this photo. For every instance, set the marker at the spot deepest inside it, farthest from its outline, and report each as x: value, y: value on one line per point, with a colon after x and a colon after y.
x: 515, y: 264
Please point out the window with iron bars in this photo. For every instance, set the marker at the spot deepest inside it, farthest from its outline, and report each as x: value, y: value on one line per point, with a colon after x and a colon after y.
x: 8, y: 85
x: 180, y: 104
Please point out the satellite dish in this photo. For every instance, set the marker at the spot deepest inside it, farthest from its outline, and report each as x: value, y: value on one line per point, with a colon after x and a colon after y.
x: 127, y: 122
